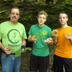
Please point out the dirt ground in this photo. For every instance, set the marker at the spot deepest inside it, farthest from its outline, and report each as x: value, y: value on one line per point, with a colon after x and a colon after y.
x: 25, y: 63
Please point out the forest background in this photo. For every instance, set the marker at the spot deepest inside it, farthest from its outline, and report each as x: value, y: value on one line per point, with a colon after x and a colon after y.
x: 29, y: 10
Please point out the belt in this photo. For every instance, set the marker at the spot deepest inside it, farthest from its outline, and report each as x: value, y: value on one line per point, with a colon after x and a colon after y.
x: 8, y: 54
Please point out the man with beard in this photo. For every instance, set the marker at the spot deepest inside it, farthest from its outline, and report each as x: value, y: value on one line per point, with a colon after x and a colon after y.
x: 13, y: 37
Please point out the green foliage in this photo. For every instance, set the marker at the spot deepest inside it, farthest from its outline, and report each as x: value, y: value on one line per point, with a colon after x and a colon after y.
x: 68, y: 1
x: 29, y: 13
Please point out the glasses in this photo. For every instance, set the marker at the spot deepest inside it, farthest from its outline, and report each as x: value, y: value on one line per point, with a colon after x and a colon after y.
x: 15, y: 14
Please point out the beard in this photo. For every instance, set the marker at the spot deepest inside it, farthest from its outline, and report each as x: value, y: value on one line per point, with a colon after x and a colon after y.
x: 14, y: 20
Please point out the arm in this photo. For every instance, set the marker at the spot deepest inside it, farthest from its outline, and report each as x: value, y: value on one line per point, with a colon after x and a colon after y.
x: 55, y: 40
x: 70, y: 39
x: 51, y: 40
x: 5, y: 49
x: 55, y: 36
x: 23, y: 44
x: 1, y: 46
x: 31, y: 39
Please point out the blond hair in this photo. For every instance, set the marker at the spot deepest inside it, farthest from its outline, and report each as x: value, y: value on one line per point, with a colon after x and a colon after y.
x: 64, y: 13
x: 42, y: 12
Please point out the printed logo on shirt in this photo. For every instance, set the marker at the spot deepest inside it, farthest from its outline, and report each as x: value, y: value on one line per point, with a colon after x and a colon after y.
x: 13, y: 36
x: 44, y: 32
x: 39, y: 35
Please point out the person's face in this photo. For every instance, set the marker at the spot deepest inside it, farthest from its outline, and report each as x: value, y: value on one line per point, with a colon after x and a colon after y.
x: 41, y: 19
x: 14, y: 15
x: 63, y: 19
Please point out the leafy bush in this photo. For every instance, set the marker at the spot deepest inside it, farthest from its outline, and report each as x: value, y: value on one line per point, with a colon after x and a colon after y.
x: 29, y: 13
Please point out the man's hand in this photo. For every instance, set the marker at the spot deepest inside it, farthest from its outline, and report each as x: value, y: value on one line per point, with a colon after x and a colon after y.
x: 23, y: 50
x: 32, y: 38
x: 69, y: 37
x: 49, y: 41
x: 6, y: 50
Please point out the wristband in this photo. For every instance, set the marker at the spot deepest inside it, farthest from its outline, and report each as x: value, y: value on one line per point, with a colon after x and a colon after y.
x: 23, y: 47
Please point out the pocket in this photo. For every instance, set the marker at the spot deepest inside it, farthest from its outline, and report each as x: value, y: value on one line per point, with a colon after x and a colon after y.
x: 3, y: 56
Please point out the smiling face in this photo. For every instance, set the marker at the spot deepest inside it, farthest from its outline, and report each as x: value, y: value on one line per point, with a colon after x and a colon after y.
x: 63, y: 18
x: 14, y: 15
x: 41, y: 19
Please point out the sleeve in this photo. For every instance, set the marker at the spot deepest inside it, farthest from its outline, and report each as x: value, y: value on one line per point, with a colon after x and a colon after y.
x: 30, y: 31
x: 24, y: 34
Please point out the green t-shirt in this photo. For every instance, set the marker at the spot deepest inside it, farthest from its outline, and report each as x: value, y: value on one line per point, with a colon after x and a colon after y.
x: 40, y: 48
x: 12, y: 35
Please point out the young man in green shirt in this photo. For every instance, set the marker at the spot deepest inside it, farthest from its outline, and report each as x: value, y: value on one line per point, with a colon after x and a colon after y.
x: 13, y: 35
x: 40, y: 53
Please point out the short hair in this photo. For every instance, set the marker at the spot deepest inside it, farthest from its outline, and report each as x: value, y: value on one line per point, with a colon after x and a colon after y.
x: 64, y: 13
x: 15, y: 7
x: 42, y: 12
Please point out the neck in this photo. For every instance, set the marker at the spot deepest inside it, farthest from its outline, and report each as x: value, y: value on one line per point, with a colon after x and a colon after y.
x: 13, y: 23
x: 64, y: 26
x: 40, y: 25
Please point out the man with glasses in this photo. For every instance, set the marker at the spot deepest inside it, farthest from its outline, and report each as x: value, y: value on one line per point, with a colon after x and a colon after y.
x: 13, y: 37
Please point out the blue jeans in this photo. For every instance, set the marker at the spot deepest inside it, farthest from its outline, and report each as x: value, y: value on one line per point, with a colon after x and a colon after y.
x: 10, y: 63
